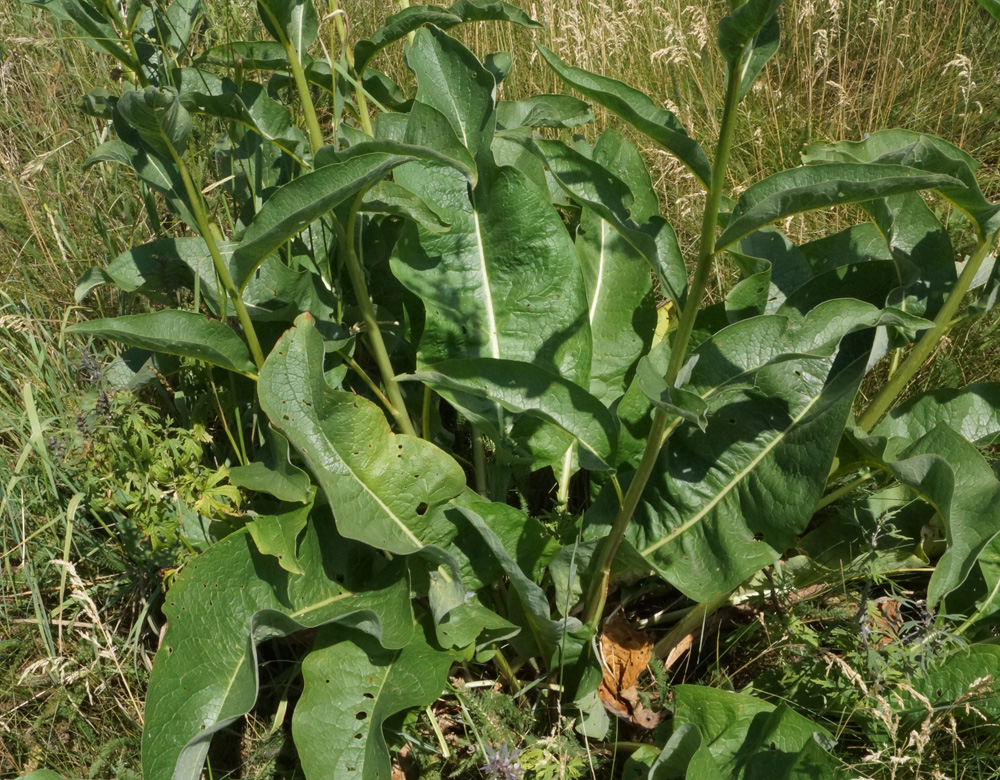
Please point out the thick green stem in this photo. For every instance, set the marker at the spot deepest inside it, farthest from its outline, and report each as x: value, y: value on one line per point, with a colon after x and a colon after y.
x: 662, y: 426
x: 359, y: 92
x: 221, y: 269
x: 928, y: 342
x: 378, y: 350
x: 301, y: 84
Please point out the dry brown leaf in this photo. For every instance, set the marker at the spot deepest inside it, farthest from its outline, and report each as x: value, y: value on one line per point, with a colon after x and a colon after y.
x: 625, y: 653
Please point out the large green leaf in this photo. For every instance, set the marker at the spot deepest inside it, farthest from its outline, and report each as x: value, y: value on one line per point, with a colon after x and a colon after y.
x: 543, y: 111
x: 278, y: 535
x: 305, y: 199
x: 745, y: 738
x: 350, y: 686
x: 291, y: 21
x: 480, y: 281
x: 973, y: 411
x: 812, y: 187
x: 590, y: 184
x: 380, y: 485
x: 622, y: 307
x: 638, y: 110
x: 727, y: 501
x: 950, y: 474
x: 273, y: 472
x: 748, y: 38
x: 250, y: 107
x: 993, y: 6
x: 923, y: 152
x: 416, y: 16
x: 452, y: 80
x: 553, y: 638
x: 175, y: 332
x: 230, y: 599
x: 157, y: 268
x: 159, y: 118
x: 476, y: 385
x: 399, y: 25
x: 964, y: 684
x: 162, y: 176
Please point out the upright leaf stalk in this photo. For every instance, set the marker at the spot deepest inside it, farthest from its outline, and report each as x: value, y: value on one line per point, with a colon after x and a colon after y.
x: 221, y: 269
x: 663, y: 425
x: 348, y: 239
x: 928, y: 342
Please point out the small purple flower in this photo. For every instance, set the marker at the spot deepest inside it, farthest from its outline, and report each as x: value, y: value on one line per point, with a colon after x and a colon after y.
x: 501, y: 763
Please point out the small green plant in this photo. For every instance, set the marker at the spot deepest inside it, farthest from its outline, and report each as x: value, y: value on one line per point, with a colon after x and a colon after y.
x: 436, y: 312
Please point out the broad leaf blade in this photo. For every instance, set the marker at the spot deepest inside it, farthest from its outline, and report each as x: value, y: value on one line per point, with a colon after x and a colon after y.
x: 351, y: 685
x: 812, y: 187
x: 480, y: 282
x: 175, y: 332
x: 229, y: 599
x: 593, y: 186
x: 475, y: 385
x: 305, y: 199
x: 291, y: 21
x: 638, y: 110
x: 452, y: 80
x: 973, y: 411
x: 381, y: 486
x: 950, y: 474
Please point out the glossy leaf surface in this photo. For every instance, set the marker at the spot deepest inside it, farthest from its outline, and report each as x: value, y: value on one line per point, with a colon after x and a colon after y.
x: 351, y: 685
x: 227, y: 601
x: 381, y: 486
x: 175, y: 332
x: 636, y: 108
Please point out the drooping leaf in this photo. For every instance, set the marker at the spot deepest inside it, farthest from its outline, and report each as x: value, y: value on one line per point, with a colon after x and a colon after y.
x: 252, y: 55
x: 749, y: 739
x: 416, y: 16
x: 812, y: 187
x: 748, y: 38
x: 492, y: 11
x: 305, y: 199
x: 479, y: 281
x: 231, y: 598
x: 553, y: 638
x: 398, y: 26
x: 543, y: 111
x: 175, y: 332
x: 638, y: 110
x: 387, y: 197
x: 593, y: 186
x: 162, y: 176
x: 98, y: 31
x: 291, y: 21
x: 351, y: 685
x: 381, y: 486
x: 159, y: 267
x: 622, y: 307
x: 973, y: 411
x: 476, y: 385
x: 277, y: 535
x: 923, y: 152
x: 950, y: 474
x: 681, y: 403
x: 159, y: 118
x: 452, y: 80
x: 250, y: 107
x: 273, y: 473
